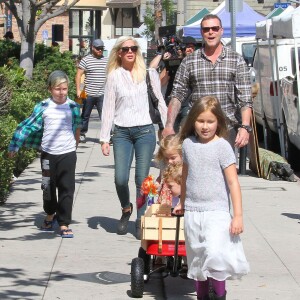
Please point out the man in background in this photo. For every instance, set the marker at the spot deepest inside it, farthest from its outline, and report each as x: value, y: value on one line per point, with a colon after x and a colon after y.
x: 93, y: 66
x: 187, y: 47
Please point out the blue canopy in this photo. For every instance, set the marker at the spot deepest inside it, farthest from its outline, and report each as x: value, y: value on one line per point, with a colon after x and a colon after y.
x: 245, y: 23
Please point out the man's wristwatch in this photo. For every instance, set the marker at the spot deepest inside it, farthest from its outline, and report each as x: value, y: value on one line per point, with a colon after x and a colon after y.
x: 247, y: 127
x: 102, y: 143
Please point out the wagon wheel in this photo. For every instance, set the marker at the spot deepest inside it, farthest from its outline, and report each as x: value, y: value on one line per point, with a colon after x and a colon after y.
x: 137, y: 277
x: 147, y: 259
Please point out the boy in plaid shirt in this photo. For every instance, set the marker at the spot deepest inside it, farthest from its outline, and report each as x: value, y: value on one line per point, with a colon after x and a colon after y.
x: 54, y: 128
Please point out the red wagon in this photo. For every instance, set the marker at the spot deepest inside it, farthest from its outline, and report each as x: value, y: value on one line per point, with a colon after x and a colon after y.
x: 162, y: 236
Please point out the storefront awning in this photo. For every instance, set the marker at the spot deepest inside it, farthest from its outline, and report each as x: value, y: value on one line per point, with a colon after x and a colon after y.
x: 87, y: 4
x: 198, y: 16
x: 275, y: 12
x: 123, y: 3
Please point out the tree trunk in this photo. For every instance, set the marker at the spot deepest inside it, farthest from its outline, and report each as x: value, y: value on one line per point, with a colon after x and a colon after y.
x: 27, y: 34
x: 25, y: 12
x: 157, y: 18
x: 27, y: 56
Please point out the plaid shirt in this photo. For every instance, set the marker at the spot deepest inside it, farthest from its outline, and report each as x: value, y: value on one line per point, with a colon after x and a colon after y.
x: 228, y: 79
x: 29, y: 133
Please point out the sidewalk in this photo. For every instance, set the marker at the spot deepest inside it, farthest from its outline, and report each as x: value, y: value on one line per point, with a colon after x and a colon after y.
x: 95, y: 264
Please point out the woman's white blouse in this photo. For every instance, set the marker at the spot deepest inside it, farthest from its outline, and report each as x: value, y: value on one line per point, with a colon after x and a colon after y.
x: 126, y: 102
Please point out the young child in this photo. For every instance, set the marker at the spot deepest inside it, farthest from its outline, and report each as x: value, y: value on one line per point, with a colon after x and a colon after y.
x: 170, y: 152
x: 214, y: 249
x: 53, y: 127
x: 172, y: 178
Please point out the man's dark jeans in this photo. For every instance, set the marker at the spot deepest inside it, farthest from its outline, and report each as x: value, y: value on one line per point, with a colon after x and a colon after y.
x: 87, y: 108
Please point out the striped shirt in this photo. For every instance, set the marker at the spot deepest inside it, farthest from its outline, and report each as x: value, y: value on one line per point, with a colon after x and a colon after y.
x: 95, y: 74
x: 126, y: 102
x: 29, y: 133
x: 228, y: 80
x: 58, y: 137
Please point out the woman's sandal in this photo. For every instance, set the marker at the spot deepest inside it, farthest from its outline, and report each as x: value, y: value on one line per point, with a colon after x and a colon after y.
x: 66, y: 233
x: 48, y: 225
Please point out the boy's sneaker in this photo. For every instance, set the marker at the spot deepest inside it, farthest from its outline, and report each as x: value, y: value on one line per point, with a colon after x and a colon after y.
x: 82, y: 138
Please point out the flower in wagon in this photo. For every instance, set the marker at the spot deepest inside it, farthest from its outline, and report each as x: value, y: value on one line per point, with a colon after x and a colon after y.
x: 148, y: 191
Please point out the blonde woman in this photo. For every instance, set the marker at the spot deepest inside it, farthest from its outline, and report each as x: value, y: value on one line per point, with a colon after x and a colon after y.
x: 126, y: 105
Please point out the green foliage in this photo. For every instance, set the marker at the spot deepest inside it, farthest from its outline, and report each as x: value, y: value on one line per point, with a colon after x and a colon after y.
x: 168, y: 7
x: 9, y: 50
x: 18, y: 96
x: 49, y: 59
x: 21, y: 99
x: 11, y: 166
x: 7, y: 125
x: 22, y: 104
x: 149, y: 20
x: 23, y: 158
x: 5, y: 94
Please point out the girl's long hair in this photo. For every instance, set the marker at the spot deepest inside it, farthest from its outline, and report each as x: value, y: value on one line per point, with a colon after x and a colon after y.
x: 210, y: 103
x: 114, y: 60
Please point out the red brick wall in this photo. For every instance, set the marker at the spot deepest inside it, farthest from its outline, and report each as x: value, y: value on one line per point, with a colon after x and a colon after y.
x: 62, y: 19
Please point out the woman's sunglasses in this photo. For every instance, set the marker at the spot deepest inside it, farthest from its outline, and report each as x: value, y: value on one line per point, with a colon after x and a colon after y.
x: 213, y: 28
x: 133, y: 49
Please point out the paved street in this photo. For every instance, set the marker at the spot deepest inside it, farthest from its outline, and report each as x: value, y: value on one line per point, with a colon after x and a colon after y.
x: 95, y: 264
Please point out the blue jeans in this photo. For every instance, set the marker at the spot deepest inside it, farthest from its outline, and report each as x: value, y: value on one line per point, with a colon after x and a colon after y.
x: 87, y: 108
x: 128, y: 141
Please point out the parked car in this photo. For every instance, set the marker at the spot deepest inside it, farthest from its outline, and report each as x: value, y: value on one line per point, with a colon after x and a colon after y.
x: 290, y: 106
x: 268, y: 103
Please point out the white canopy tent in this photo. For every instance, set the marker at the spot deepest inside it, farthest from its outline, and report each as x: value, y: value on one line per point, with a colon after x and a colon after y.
x: 264, y: 28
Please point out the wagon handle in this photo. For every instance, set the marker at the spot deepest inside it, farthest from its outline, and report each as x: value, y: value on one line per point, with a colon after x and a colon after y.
x: 176, y: 245
x: 176, y: 215
x: 159, y: 235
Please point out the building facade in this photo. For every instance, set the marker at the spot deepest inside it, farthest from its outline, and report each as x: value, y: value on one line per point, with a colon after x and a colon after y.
x: 108, y: 19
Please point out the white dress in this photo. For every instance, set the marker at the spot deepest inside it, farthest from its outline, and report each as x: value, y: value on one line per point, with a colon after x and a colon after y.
x: 211, y: 250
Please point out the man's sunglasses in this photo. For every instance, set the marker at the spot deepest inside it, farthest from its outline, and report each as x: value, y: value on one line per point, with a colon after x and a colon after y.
x: 133, y: 49
x: 213, y: 28
x: 99, y: 48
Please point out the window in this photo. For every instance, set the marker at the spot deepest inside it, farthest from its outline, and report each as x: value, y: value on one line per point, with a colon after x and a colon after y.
x: 85, y: 26
x: 248, y: 53
x: 126, y: 22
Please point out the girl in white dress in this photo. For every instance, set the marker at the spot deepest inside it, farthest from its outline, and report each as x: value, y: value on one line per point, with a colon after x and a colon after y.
x: 209, y: 179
